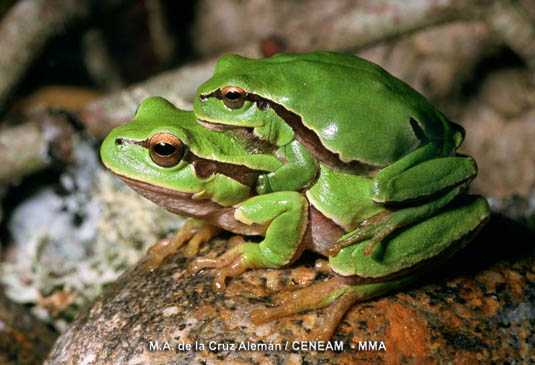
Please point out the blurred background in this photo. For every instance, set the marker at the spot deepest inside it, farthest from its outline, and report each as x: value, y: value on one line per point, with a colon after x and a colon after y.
x: 71, y: 70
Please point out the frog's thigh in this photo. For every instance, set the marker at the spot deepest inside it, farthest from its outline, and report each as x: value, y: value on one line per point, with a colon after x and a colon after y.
x: 416, y: 243
x: 419, y: 174
x: 286, y: 216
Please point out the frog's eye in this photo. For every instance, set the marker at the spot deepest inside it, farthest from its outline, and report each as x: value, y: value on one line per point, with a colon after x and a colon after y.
x: 233, y: 96
x: 166, y: 149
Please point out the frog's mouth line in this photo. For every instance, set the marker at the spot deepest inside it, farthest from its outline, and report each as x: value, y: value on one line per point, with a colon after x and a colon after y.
x: 145, y: 186
x: 183, y: 204
x: 205, y: 168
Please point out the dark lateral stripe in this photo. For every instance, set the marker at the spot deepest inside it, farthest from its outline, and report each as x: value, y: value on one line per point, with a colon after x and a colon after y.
x: 307, y: 137
x: 205, y: 168
x: 120, y: 141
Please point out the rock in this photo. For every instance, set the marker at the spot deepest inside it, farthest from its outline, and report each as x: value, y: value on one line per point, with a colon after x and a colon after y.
x: 449, y: 65
x: 500, y: 125
x: 23, y: 339
x: 478, y: 308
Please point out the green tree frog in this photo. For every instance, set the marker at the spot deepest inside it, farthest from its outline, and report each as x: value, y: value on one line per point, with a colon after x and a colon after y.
x: 350, y: 115
x: 169, y: 158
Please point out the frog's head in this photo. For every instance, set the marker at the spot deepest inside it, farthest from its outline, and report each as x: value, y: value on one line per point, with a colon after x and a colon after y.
x: 231, y: 95
x: 151, y: 147
x: 164, y: 153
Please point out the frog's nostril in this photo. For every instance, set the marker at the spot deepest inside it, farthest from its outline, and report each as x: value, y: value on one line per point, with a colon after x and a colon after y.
x: 203, y: 97
x: 119, y: 141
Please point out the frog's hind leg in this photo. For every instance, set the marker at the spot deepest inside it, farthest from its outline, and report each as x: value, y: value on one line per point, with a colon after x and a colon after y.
x: 423, y: 176
x: 194, y: 232
x: 284, y: 214
x: 334, y: 294
x: 378, y: 227
x: 405, y: 257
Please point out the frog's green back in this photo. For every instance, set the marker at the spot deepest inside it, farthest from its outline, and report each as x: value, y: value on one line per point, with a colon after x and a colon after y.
x: 328, y: 89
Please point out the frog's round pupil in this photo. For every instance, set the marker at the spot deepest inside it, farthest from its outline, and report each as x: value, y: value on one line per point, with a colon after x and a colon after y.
x: 233, y: 95
x: 164, y: 149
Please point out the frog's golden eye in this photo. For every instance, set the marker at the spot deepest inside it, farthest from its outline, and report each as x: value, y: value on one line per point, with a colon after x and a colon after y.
x: 233, y: 96
x: 166, y: 149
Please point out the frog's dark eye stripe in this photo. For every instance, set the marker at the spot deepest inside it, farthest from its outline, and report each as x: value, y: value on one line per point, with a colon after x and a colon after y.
x: 166, y: 149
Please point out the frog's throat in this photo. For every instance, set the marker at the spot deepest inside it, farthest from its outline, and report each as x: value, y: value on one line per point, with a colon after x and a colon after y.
x: 307, y: 137
x: 183, y: 203
x: 175, y: 201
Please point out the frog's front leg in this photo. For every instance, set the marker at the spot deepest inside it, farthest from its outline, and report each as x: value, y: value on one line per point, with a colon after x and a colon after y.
x: 299, y: 169
x: 194, y: 232
x: 285, y: 214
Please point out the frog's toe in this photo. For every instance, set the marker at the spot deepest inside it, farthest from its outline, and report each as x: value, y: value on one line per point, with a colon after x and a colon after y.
x: 207, y: 262
x: 331, y: 293
x: 203, y: 234
x: 232, y: 263
x: 228, y: 265
x: 373, y: 231
x: 193, y: 232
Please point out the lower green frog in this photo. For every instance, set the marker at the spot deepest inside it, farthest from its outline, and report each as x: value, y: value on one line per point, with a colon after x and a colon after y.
x: 165, y: 155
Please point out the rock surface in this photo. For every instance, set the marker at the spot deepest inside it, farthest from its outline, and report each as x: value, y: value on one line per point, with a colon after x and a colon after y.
x: 479, y: 307
x: 23, y: 339
x: 94, y: 228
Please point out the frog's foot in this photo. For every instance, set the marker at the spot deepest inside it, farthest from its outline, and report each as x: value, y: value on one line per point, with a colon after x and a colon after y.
x: 331, y: 293
x: 379, y: 226
x: 284, y: 214
x: 232, y: 263
x: 193, y: 232
x: 375, y: 228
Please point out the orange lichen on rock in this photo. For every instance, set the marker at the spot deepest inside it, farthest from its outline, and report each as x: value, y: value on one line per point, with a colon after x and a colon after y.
x: 407, y: 334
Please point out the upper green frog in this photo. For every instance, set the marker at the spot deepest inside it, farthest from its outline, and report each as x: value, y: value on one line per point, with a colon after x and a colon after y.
x: 347, y: 112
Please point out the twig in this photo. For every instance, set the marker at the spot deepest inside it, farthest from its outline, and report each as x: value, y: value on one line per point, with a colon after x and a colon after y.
x: 35, y: 145
x: 177, y: 86
x: 353, y: 25
x: 24, y: 31
x: 99, y: 62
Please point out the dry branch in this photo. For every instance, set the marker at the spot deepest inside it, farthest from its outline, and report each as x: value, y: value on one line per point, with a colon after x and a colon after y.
x: 352, y: 25
x: 35, y: 145
x: 117, y: 108
x: 25, y: 30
